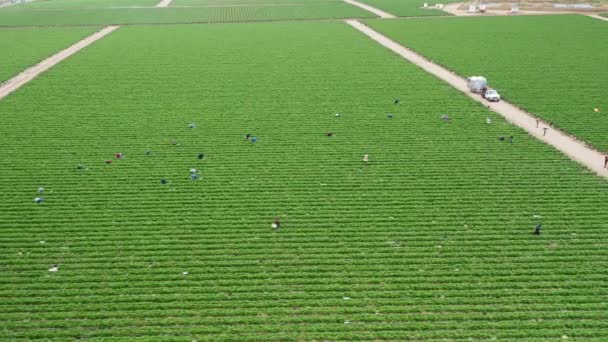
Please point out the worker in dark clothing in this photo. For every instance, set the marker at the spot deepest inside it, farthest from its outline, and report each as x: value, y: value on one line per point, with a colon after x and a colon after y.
x: 511, y: 139
x: 247, y: 136
x: 201, y: 156
x: 397, y: 101
x: 254, y: 139
x: 501, y: 138
x: 276, y: 224
x: 606, y: 162
x: 545, y: 131
x: 163, y: 181
x: 389, y: 115
x: 537, y: 229
x: 330, y: 134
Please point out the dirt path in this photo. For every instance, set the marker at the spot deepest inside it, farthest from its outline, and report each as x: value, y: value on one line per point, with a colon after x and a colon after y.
x: 570, y: 146
x: 597, y: 16
x: 163, y: 3
x: 32, y: 72
x: 457, y: 9
x: 369, y: 8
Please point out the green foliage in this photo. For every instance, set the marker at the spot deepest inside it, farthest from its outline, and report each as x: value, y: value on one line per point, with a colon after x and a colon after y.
x: 25, y: 17
x: 24, y: 47
x: 244, y: 2
x: 553, y: 66
x: 406, y: 8
x: 80, y: 4
x: 430, y: 240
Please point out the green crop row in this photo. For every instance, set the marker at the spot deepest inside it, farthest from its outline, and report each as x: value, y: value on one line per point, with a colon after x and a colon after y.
x: 80, y: 4
x: 431, y: 239
x: 244, y: 2
x: 407, y: 8
x: 24, y: 47
x: 105, y: 16
x: 552, y: 66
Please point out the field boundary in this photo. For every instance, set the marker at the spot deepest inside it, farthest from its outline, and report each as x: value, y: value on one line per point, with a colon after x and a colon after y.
x: 597, y: 16
x: 163, y: 3
x: 30, y: 73
x: 575, y: 149
x: 382, y: 14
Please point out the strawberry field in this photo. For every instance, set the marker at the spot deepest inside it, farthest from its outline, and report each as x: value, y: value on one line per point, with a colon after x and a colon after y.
x: 430, y: 239
x: 406, y: 8
x: 245, y: 2
x: 17, y: 16
x: 79, y: 4
x: 24, y: 47
x: 553, y: 66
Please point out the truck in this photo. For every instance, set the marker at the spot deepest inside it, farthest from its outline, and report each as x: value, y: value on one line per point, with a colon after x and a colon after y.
x: 479, y: 85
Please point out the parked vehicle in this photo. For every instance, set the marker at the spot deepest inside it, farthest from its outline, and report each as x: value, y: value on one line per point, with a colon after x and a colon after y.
x: 491, y: 95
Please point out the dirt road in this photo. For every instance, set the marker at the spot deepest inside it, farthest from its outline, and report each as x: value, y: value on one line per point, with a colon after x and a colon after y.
x: 369, y: 8
x: 163, y: 3
x: 570, y: 146
x: 31, y: 73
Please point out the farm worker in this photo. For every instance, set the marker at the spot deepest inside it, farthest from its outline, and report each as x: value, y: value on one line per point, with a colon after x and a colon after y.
x: 81, y: 167
x: 488, y: 120
x: 389, y: 115
x: 397, y: 101
x: 537, y: 122
x: 40, y: 190
x: 366, y: 158
x: 545, y: 131
x: 337, y: 115
x: 330, y: 134
x: 38, y: 200
x: 501, y: 138
x: 511, y: 139
x: 596, y: 110
x: 148, y: 152
x: 119, y: 155
x: 247, y: 136
x: 54, y: 268
x: 606, y: 162
x: 254, y: 139
x: 445, y: 118
x: 201, y: 156
x: 193, y: 170
x: 276, y: 224
x: 109, y: 161
x: 194, y: 176
x: 537, y: 229
x: 163, y: 181
x: 192, y: 125
x: 173, y: 142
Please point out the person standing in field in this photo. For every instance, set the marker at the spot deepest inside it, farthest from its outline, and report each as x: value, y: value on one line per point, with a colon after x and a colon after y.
x: 276, y: 224
x: 537, y: 229
x: 606, y: 162
x: 366, y: 158
x: 545, y: 131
